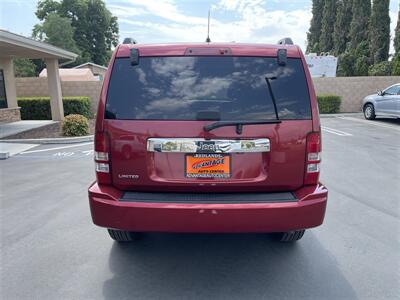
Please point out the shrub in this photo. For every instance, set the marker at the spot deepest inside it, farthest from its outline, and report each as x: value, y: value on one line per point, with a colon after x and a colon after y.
x: 329, y: 104
x: 38, y: 108
x: 381, y: 69
x: 75, y: 125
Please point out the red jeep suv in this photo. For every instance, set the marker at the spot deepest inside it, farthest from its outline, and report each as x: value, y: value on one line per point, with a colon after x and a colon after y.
x: 207, y: 138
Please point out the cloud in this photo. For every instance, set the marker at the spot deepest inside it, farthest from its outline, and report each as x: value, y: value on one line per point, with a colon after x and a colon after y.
x: 165, y: 9
x: 244, y: 21
x: 124, y: 11
x: 240, y: 21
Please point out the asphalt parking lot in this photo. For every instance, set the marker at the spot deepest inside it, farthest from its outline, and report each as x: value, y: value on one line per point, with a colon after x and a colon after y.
x: 51, y: 250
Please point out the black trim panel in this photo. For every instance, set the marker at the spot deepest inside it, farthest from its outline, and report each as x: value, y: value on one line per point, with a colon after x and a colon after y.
x: 208, y: 198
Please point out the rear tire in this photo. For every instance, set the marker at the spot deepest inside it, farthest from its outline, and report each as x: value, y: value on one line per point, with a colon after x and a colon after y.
x: 121, y: 235
x: 369, y: 111
x: 291, y: 236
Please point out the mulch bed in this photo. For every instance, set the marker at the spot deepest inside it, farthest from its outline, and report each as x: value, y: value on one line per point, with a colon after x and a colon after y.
x: 48, y: 131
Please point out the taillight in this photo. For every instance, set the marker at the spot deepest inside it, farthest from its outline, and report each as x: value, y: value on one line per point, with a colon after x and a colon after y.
x: 313, y: 158
x: 102, y: 158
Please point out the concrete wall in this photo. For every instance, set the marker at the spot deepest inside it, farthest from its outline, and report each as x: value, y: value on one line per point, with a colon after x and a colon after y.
x: 35, y: 86
x: 351, y: 89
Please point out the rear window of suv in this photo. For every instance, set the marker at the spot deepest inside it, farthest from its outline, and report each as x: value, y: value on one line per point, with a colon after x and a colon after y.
x: 179, y: 88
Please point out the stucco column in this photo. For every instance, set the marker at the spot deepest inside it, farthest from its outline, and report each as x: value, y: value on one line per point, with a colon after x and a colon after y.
x: 54, y: 83
x: 6, y: 64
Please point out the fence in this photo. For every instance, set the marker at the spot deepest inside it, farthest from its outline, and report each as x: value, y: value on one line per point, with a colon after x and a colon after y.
x: 353, y: 90
x: 37, y: 86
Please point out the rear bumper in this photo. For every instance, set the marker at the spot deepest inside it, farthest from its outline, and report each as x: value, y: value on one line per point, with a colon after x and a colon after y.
x: 108, y: 211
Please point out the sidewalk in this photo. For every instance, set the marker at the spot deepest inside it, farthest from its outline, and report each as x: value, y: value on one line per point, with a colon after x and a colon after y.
x: 7, y: 129
x: 7, y: 149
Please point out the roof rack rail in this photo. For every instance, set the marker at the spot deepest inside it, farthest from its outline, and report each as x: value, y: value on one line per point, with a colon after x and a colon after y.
x: 129, y: 40
x: 285, y: 41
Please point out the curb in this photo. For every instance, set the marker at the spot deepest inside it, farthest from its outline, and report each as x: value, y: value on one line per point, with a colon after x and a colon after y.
x: 340, y: 115
x: 68, y: 140
x: 4, y: 155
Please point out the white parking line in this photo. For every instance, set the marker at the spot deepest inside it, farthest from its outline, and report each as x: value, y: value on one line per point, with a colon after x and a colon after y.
x: 71, y: 153
x: 335, y: 131
x: 373, y: 123
x: 57, y: 148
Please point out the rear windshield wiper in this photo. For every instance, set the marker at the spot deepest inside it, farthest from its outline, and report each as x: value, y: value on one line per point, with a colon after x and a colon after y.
x: 271, y: 93
x: 239, y: 124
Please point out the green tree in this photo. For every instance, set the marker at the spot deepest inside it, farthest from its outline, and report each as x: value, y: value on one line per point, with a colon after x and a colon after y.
x: 396, y: 58
x: 24, y: 67
x: 100, y: 19
x: 397, y: 35
x: 361, y: 66
x: 342, y: 26
x: 45, y: 7
x: 346, y: 64
x: 379, y: 31
x: 314, y: 33
x: 396, y: 65
x: 362, y: 61
x: 355, y: 62
x: 361, y: 11
x: 96, y: 30
x: 328, y: 21
x: 77, y: 11
x: 383, y: 68
x: 56, y: 31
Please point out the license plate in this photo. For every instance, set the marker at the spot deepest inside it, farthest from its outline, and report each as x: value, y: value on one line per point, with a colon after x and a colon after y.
x: 201, y: 165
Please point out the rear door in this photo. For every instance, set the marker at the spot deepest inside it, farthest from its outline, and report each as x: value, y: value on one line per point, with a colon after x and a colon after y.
x: 156, y: 112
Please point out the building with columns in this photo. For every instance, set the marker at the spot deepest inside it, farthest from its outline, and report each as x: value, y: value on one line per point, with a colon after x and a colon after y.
x: 16, y: 46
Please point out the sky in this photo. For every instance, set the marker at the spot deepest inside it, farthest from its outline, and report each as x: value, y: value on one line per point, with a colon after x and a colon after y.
x: 164, y: 21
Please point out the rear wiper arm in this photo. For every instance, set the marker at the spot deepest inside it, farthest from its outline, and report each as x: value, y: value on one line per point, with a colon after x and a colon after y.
x: 238, y: 124
x: 271, y: 93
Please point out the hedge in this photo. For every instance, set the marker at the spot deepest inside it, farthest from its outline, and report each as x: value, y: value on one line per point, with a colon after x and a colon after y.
x: 38, y: 108
x: 329, y: 104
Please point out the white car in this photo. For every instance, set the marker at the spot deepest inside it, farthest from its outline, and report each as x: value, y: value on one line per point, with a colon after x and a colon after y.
x: 385, y: 103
